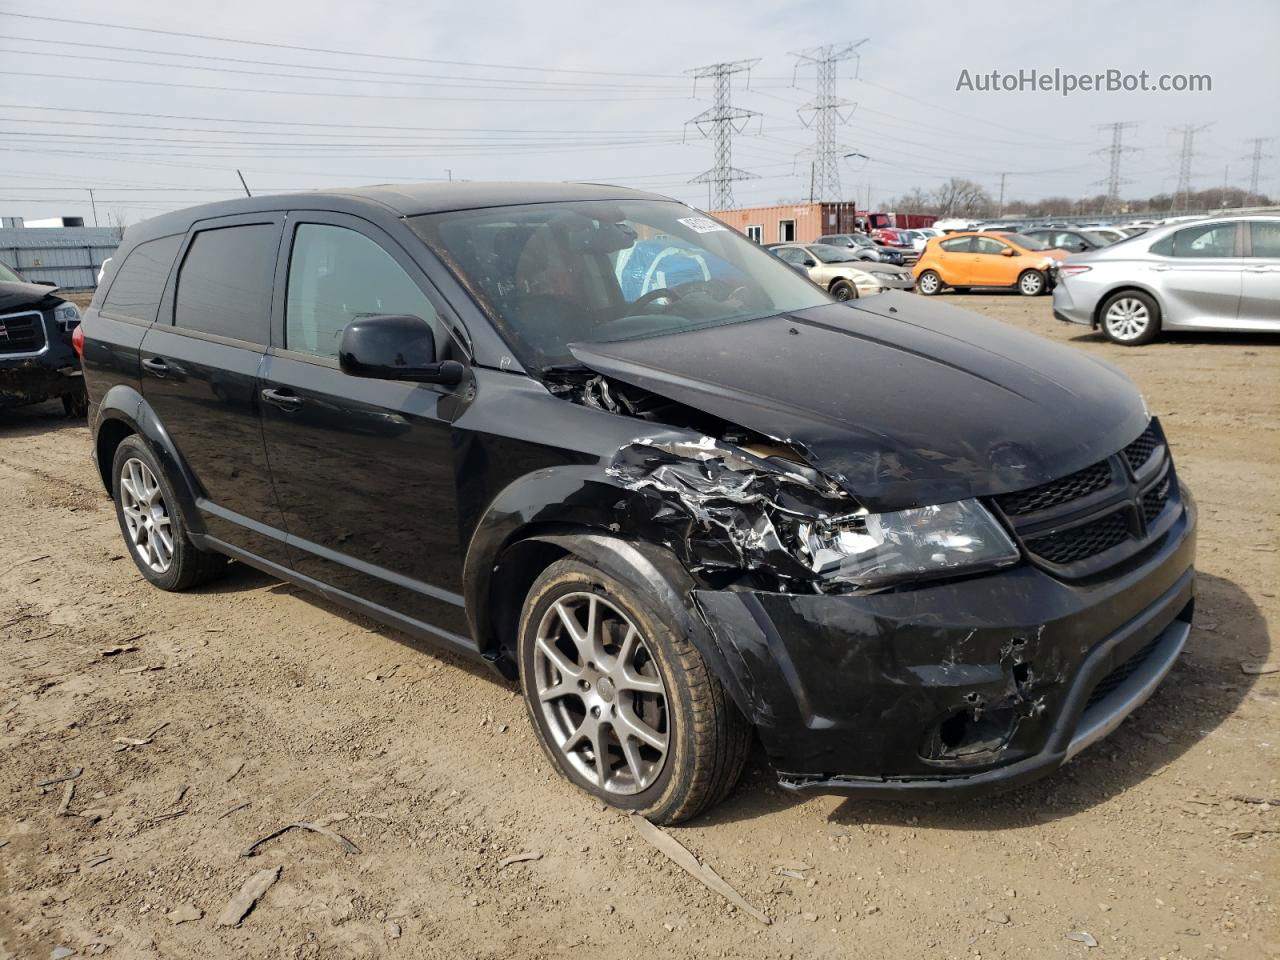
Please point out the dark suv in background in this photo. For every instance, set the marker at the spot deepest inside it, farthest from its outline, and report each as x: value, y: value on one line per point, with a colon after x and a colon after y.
x: 611, y: 447
x: 38, y: 360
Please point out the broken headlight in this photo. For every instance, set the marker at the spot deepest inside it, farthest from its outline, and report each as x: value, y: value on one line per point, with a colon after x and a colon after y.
x: 874, y: 549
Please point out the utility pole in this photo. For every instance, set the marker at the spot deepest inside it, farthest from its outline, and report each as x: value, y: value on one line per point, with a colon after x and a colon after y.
x: 1002, y: 177
x: 1222, y: 197
x: 1115, y: 152
x: 1256, y: 158
x: 94, y: 206
x: 824, y: 111
x: 1185, y: 156
x: 720, y: 122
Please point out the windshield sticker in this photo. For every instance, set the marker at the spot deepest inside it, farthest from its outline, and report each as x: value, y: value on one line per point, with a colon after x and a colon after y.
x: 701, y: 224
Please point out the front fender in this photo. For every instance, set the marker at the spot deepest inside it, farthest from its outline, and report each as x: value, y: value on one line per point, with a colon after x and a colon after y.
x: 124, y: 410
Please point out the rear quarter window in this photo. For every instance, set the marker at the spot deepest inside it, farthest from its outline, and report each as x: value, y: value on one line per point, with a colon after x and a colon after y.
x: 139, y: 283
x: 958, y: 245
x: 224, y: 284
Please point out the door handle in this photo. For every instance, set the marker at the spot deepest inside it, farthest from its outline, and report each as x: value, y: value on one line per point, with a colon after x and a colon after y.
x: 1161, y: 269
x: 156, y: 365
x: 284, y: 399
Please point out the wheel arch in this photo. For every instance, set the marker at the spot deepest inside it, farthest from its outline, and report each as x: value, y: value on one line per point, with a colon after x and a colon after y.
x: 1129, y: 287
x: 124, y: 412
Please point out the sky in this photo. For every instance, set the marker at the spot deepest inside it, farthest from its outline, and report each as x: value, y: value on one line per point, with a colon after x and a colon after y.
x: 342, y: 94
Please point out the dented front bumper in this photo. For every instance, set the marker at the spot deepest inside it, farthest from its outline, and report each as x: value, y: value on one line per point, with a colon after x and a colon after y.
x: 969, y: 685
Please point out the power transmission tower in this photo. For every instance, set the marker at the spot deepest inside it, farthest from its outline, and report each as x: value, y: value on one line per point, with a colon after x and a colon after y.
x: 1115, y: 152
x: 1185, y: 156
x: 720, y: 122
x: 1256, y: 158
x: 824, y: 111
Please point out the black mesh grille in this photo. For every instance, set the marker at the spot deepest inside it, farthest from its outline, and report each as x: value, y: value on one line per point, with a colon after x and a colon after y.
x: 1153, y: 501
x: 21, y: 334
x: 1139, y: 452
x: 1087, y: 540
x: 1107, y: 685
x: 1071, y: 487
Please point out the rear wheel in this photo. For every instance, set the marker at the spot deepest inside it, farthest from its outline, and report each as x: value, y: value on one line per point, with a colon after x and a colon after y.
x: 844, y: 290
x: 929, y: 283
x: 1131, y: 318
x: 153, y: 528
x: 1031, y: 283
x: 625, y: 708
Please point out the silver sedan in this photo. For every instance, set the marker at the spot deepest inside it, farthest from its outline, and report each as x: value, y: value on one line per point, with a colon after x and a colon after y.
x: 1219, y: 273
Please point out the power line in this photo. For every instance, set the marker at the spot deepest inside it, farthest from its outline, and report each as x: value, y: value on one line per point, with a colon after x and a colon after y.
x: 826, y: 109
x: 324, y: 50
x: 355, y: 96
x: 723, y: 120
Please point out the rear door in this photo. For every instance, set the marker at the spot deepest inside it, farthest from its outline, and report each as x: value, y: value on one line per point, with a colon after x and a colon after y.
x: 1199, y: 275
x: 363, y: 468
x: 200, y: 375
x: 1260, y: 291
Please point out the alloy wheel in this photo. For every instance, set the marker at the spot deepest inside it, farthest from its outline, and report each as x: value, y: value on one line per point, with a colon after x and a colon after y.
x: 929, y: 283
x: 1032, y: 283
x: 600, y: 693
x: 146, y: 517
x: 1127, y: 318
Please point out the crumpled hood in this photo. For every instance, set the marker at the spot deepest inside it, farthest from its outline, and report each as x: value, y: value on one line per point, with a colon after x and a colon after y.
x: 15, y: 296
x: 900, y: 400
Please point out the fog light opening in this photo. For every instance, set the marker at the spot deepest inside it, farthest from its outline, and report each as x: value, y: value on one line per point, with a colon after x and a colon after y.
x: 971, y: 735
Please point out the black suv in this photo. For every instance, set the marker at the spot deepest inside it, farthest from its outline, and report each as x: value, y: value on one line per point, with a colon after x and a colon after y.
x: 37, y: 357
x: 613, y: 448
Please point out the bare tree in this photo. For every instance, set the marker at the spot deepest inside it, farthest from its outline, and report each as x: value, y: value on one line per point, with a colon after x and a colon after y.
x: 958, y: 197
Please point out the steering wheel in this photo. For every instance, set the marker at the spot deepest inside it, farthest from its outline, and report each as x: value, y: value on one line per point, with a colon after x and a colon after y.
x: 655, y: 295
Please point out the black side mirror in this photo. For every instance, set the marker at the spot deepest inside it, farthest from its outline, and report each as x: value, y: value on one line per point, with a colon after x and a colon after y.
x: 395, y: 348
x: 810, y: 262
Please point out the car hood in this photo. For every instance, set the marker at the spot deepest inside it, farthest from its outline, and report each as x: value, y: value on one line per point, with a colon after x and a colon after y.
x: 15, y: 296
x: 901, y: 401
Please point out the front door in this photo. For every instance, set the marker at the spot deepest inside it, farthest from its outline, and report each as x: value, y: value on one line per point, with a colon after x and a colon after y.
x: 200, y: 375
x: 990, y: 267
x: 363, y: 469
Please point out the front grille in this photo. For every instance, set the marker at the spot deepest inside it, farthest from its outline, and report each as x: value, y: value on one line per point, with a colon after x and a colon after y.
x: 1139, y: 452
x: 21, y: 333
x: 1072, y: 487
x: 1154, y: 500
x: 1107, y: 685
x: 1086, y: 540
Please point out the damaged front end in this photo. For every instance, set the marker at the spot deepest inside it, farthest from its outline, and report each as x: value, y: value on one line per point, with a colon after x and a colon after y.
x: 907, y: 649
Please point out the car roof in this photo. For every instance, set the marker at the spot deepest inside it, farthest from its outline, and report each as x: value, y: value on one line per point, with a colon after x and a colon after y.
x: 398, y: 199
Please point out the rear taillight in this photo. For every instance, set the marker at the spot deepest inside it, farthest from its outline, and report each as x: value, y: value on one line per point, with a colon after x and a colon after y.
x: 1071, y: 269
x: 77, y: 339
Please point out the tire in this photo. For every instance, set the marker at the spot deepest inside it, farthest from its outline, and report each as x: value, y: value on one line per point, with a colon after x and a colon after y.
x: 690, y: 744
x: 1032, y: 283
x: 144, y: 498
x: 76, y: 404
x: 843, y: 290
x: 1130, y: 318
x: 929, y: 283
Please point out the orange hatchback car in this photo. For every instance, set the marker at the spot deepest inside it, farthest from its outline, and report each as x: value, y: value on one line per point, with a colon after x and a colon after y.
x: 963, y: 260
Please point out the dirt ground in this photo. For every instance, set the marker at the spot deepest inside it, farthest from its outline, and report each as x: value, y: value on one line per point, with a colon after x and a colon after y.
x: 258, y: 705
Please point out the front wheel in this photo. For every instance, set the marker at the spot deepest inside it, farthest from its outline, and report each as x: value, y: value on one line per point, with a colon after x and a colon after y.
x: 625, y: 707
x: 844, y: 290
x: 1031, y: 283
x: 1131, y: 318
x: 929, y: 283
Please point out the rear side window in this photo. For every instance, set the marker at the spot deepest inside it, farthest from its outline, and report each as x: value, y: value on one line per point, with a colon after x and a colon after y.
x: 337, y: 275
x: 1205, y: 240
x: 139, y: 283
x: 1265, y: 235
x: 224, y: 286
x: 958, y: 245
